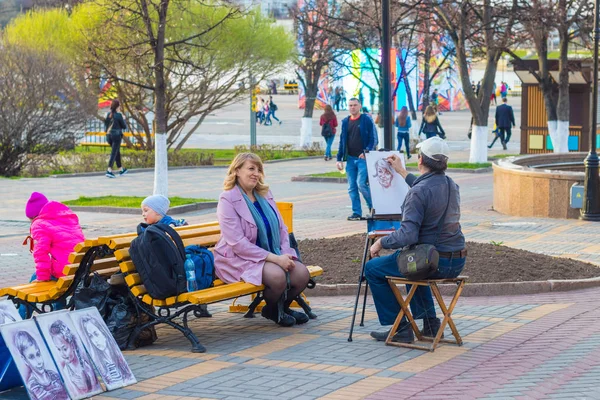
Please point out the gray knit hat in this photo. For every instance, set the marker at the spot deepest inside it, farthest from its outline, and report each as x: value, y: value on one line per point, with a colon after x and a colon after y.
x: 158, y: 203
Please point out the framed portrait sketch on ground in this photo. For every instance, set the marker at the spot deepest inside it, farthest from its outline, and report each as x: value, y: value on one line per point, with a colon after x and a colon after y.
x: 388, y: 188
x: 8, y: 312
x: 73, y: 362
x: 102, y: 348
x: 34, y: 362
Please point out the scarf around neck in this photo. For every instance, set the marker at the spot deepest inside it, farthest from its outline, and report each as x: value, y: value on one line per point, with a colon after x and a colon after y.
x: 271, y: 216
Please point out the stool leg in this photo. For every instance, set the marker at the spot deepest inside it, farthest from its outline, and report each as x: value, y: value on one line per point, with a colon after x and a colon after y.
x: 361, y: 278
x: 404, y: 310
x: 447, y: 314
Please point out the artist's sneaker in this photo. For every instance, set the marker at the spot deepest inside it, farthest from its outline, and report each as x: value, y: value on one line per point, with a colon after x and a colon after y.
x: 354, y: 217
x: 110, y: 174
x: 123, y: 171
x: 404, y: 334
x: 431, y: 327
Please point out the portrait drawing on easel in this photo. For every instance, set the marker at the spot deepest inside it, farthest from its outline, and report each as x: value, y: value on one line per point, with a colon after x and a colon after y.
x: 388, y: 188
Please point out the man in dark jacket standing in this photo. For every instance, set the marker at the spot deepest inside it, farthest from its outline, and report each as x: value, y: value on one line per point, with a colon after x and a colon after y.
x: 356, y: 136
x: 429, y: 195
x: 505, y: 120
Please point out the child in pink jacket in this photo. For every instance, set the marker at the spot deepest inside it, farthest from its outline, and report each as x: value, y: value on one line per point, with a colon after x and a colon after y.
x: 55, y: 231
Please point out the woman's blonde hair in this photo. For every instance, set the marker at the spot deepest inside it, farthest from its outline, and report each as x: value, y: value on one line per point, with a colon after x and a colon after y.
x: 430, y: 115
x: 231, y: 179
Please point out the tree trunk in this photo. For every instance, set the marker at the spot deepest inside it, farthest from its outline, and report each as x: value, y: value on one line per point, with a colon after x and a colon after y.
x: 411, y: 103
x: 161, y: 168
x: 427, y: 59
x: 561, y: 144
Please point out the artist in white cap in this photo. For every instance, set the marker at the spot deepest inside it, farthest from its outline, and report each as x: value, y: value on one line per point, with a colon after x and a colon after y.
x: 431, y: 194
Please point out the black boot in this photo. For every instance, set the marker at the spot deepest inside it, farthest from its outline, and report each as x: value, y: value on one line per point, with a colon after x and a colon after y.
x: 300, y: 317
x: 272, y: 314
x: 404, y: 334
x: 431, y: 327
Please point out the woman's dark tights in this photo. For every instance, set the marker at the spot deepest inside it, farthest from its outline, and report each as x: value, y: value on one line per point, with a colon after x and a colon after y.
x: 275, y: 283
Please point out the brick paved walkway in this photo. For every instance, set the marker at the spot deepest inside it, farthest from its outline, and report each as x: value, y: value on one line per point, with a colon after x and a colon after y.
x: 539, y: 346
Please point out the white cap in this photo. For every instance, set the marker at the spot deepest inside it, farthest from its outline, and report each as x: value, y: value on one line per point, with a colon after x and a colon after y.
x: 434, y: 146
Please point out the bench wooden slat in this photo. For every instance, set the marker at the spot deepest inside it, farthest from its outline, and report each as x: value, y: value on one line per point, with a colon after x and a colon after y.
x: 12, y: 291
x: 83, y: 247
x: 76, y: 257
x: 223, y: 292
x: 124, y: 242
x: 99, y: 264
x: 107, y: 239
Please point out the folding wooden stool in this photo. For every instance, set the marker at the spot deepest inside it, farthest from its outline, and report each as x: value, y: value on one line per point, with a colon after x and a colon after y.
x: 405, y: 310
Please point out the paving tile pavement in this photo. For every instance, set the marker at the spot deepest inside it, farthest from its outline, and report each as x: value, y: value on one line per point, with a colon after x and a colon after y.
x: 539, y: 346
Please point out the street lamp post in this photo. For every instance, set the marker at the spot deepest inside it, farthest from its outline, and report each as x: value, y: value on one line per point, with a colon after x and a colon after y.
x: 386, y: 113
x: 591, y: 194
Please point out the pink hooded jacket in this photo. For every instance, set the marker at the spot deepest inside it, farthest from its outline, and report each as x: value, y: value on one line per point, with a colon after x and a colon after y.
x: 237, y: 257
x: 55, y: 232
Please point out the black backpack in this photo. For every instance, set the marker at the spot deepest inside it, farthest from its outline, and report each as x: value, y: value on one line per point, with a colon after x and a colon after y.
x: 326, y: 130
x: 158, y: 255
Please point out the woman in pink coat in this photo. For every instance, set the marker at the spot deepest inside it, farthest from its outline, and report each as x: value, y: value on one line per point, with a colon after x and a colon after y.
x: 254, y: 245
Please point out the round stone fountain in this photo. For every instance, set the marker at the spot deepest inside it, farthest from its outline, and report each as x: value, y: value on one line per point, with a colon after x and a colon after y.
x: 537, y: 185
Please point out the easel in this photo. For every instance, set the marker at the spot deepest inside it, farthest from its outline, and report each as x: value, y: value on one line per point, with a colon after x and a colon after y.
x: 376, y: 228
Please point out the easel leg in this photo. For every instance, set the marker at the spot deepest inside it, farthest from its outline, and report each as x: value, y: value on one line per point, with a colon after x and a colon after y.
x: 360, y: 281
x: 362, y: 317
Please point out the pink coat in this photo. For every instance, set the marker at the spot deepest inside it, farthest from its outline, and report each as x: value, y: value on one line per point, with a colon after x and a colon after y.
x: 55, y: 232
x: 237, y: 257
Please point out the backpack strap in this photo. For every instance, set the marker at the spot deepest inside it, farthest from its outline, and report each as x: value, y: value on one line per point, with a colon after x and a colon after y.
x: 174, y: 235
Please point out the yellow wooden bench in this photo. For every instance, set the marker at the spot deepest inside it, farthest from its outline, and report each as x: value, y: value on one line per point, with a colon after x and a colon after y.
x: 173, y: 307
x: 87, y: 258
x: 98, y: 139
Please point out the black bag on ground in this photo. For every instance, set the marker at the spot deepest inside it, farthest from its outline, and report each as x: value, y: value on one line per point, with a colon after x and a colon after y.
x: 96, y: 294
x: 158, y: 255
x: 117, y: 310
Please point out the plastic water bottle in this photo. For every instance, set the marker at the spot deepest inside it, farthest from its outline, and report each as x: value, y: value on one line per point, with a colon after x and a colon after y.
x: 190, y: 274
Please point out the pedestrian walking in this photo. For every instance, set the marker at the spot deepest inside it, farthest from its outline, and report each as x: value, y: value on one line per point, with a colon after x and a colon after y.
x: 430, y: 125
x: 356, y: 136
x: 328, y: 122
x: 267, y: 113
x: 503, y: 90
x: 272, y: 108
x: 259, y: 110
x: 337, y: 98
x: 403, y: 123
x: 115, y: 126
x: 505, y: 120
x: 435, y: 100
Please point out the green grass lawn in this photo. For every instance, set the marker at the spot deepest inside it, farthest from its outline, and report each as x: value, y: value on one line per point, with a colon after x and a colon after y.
x: 332, y: 174
x: 127, y: 201
x: 498, y: 156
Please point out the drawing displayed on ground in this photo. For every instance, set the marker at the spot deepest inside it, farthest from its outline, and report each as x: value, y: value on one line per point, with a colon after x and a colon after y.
x: 67, y: 349
x: 8, y: 312
x: 388, y: 188
x: 33, y: 361
x: 102, y: 348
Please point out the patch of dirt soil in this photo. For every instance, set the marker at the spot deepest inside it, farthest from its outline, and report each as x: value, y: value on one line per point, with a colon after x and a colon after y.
x: 341, y: 259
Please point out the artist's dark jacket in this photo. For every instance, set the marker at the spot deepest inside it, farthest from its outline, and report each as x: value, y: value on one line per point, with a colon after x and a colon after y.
x: 505, y: 117
x: 421, y: 212
x: 367, y: 135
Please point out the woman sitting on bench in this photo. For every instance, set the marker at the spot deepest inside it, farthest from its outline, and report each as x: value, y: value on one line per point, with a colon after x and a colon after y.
x: 254, y: 245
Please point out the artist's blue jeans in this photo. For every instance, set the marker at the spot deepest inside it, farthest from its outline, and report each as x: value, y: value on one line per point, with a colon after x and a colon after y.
x: 55, y: 306
x: 356, y: 170
x: 328, y: 143
x: 404, y: 136
x: 421, y: 304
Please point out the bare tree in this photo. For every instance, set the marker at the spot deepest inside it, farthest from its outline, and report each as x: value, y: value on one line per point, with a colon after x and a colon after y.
x: 570, y: 19
x: 316, y: 52
x: 167, y: 57
x: 43, y: 107
x: 479, y: 30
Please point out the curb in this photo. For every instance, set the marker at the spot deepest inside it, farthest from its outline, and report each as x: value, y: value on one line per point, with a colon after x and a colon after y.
x: 476, y: 289
x: 325, y: 179
x: 138, y: 170
x: 126, y: 210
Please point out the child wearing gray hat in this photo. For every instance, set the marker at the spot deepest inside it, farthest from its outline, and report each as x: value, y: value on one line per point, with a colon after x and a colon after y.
x: 154, y: 211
